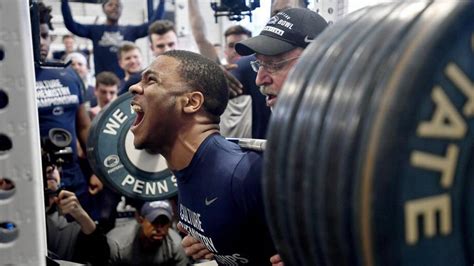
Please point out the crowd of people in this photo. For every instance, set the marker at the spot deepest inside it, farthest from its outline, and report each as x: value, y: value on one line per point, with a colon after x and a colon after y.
x: 199, y: 100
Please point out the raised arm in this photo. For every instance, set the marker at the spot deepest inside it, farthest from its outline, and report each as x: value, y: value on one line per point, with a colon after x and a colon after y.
x: 141, y: 31
x: 198, y: 28
x: 83, y: 123
x: 159, y: 12
x: 74, y: 27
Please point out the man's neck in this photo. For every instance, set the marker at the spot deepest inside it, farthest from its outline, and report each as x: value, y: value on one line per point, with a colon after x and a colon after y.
x: 186, y: 144
x: 111, y: 22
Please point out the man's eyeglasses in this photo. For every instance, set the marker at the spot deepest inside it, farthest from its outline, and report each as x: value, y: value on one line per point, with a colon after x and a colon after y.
x: 270, y: 68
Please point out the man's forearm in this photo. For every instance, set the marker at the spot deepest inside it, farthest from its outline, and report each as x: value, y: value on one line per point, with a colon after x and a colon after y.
x: 159, y: 12
x: 87, y: 225
x: 198, y: 28
x: 71, y: 25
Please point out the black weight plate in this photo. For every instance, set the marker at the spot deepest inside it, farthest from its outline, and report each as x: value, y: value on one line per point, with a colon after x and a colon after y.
x: 408, y: 211
x: 341, y: 122
x: 277, y: 150
x: 316, y: 100
x: 114, y: 159
x: 338, y: 38
x: 291, y: 184
x: 467, y: 214
x: 274, y: 179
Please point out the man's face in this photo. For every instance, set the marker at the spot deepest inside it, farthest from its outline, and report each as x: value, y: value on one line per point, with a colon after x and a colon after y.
x: 231, y: 55
x: 273, y: 73
x: 156, y: 231
x: 69, y: 44
x: 53, y: 178
x: 113, y: 10
x: 163, y: 43
x: 131, y: 61
x: 79, y: 67
x: 105, y: 94
x: 158, y: 104
x: 45, y: 41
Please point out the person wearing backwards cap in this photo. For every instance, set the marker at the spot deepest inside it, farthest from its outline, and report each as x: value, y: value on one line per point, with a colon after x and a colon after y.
x: 151, y: 241
x: 276, y: 48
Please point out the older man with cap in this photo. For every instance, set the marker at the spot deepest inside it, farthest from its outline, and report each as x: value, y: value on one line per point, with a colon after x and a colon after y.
x: 151, y: 241
x: 276, y: 48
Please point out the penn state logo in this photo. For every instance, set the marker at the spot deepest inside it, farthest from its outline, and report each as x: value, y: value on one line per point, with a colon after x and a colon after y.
x: 111, y: 161
x: 58, y: 110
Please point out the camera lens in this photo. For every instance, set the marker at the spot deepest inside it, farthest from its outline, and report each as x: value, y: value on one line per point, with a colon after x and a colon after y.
x: 60, y: 137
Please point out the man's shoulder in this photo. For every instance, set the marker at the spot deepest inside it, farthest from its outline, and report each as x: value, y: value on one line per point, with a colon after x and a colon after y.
x: 64, y: 74
x: 175, y: 238
x: 250, y: 158
x: 227, y: 151
x: 124, y: 235
x: 244, y: 155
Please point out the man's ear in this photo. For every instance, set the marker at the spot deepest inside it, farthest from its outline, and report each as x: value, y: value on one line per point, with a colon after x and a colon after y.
x: 120, y: 62
x: 194, y: 102
x: 139, y: 218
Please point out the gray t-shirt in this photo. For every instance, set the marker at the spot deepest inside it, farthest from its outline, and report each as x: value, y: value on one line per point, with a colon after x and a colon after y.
x: 236, y: 121
x: 125, y: 248
x: 62, y: 236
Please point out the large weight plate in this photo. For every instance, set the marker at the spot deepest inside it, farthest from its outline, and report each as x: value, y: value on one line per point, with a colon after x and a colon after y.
x: 274, y: 178
x: 114, y: 159
x: 326, y: 163
x: 322, y: 79
x: 274, y: 181
x: 411, y: 206
x: 323, y: 83
x: 341, y: 123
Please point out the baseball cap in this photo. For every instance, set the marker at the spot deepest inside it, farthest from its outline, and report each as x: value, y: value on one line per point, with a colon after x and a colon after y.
x: 288, y: 29
x: 152, y: 209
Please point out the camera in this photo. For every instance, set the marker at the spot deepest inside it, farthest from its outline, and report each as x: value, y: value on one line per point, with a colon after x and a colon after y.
x: 56, y: 148
x: 234, y: 9
x: 55, y: 151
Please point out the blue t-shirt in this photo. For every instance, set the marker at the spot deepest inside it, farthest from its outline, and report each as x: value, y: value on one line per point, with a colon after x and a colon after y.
x: 89, y: 96
x: 221, y: 204
x: 58, y: 96
x: 260, y: 111
x: 125, y: 85
x: 106, y: 39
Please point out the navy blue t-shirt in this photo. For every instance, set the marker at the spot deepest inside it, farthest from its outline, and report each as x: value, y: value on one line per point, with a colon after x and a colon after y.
x: 260, y: 111
x: 58, y: 96
x: 134, y: 79
x: 106, y: 39
x: 221, y: 205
